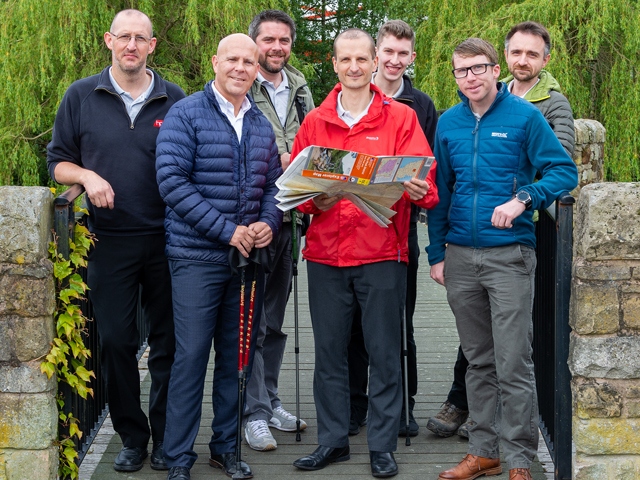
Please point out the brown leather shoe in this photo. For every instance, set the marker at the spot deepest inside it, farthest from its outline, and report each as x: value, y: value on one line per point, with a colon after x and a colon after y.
x: 472, y: 467
x: 520, y: 474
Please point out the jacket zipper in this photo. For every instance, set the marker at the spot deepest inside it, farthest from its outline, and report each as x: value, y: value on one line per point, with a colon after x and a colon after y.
x: 474, y: 221
x: 147, y: 102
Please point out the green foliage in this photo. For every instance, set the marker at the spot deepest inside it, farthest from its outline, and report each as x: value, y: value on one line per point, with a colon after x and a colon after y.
x: 68, y: 354
x: 595, y: 57
x: 45, y: 45
x: 318, y: 22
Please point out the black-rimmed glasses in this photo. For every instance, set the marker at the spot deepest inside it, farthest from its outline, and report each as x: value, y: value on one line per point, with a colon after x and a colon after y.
x: 478, y: 69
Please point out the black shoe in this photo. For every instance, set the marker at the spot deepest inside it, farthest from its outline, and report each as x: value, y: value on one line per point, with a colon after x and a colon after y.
x: 413, y: 425
x: 157, y: 457
x: 322, y: 457
x: 383, y: 464
x: 357, y: 419
x: 179, y: 473
x: 130, y: 459
x: 227, y: 462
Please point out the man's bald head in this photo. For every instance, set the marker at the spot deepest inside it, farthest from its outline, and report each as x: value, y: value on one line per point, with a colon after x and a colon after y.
x: 236, y: 40
x: 236, y: 67
x: 128, y: 14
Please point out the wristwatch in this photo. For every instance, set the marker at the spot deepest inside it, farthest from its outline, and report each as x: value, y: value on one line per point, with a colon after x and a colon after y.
x: 523, y: 197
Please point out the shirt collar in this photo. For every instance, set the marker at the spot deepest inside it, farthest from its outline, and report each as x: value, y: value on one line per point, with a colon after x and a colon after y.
x: 395, y: 95
x: 284, y: 84
x: 346, y: 116
x: 227, y: 105
x: 121, y: 91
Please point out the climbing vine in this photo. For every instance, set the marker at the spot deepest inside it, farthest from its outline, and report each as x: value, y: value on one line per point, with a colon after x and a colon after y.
x: 68, y: 355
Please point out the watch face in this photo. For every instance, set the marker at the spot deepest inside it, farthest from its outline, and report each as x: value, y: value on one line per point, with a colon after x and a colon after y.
x: 523, y: 197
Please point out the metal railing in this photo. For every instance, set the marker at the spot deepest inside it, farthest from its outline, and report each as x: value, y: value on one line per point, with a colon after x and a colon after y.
x: 554, y: 235
x: 92, y: 411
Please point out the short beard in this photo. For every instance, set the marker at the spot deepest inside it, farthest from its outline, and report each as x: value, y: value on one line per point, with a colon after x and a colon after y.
x: 529, y: 76
x: 268, y: 68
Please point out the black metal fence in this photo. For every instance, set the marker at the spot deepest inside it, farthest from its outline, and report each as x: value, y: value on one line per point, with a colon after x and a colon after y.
x: 554, y: 233
x: 92, y: 411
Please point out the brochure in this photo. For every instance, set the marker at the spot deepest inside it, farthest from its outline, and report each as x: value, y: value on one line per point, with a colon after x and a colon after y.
x: 373, y: 183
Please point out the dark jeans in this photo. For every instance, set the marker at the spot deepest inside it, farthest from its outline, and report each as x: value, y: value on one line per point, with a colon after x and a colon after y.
x: 118, y: 266
x: 206, y: 299
x: 358, y: 358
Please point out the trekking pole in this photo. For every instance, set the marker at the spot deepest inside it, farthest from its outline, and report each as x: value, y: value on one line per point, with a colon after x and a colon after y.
x: 294, y: 256
x: 241, y: 372
x: 244, y: 349
x: 405, y: 378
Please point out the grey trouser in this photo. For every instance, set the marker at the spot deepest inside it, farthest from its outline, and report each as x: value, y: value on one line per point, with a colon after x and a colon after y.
x: 379, y: 288
x: 490, y: 291
x: 262, y: 388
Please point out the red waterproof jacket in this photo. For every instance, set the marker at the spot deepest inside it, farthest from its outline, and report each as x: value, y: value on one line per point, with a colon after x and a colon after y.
x: 344, y: 236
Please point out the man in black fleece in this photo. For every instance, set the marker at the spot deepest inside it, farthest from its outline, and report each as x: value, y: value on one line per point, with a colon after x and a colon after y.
x: 104, y: 138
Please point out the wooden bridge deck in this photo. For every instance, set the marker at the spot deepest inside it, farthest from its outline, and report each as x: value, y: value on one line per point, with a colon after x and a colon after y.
x: 437, y: 342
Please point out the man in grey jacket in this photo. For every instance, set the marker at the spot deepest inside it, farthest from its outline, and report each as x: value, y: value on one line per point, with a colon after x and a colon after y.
x: 527, y: 49
x: 281, y: 93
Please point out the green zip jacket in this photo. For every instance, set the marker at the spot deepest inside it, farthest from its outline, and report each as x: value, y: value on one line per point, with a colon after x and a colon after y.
x: 548, y: 97
x: 285, y: 135
x: 299, y: 89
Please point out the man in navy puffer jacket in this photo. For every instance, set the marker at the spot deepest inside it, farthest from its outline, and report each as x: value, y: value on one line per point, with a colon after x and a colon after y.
x: 489, y: 148
x: 217, y: 163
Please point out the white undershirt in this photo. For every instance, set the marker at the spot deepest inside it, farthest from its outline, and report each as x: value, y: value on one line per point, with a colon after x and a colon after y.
x: 229, y: 110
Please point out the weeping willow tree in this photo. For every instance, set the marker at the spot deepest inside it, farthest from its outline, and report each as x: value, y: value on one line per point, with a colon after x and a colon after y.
x: 595, y: 57
x: 45, y: 45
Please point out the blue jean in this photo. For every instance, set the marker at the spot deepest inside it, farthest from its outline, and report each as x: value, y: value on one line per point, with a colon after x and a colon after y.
x: 490, y: 291
x: 206, y: 300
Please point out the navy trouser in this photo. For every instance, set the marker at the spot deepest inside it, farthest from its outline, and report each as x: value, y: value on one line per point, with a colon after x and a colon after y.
x: 206, y: 299
x: 379, y: 290
x: 358, y: 358
x: 118, y: 266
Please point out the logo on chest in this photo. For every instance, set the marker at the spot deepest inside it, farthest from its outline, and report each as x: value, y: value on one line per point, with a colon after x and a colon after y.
x: 499, y: 134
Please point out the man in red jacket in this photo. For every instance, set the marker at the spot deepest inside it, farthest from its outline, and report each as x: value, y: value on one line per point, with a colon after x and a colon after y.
x: 354, y: 262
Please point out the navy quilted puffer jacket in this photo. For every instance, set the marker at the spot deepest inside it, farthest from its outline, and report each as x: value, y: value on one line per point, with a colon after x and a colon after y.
x: 209, y: 181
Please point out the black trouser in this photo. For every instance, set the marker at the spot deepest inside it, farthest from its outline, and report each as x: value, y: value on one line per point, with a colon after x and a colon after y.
x: 118, y: 266
x: 458, y: 393
x: 358, y: 358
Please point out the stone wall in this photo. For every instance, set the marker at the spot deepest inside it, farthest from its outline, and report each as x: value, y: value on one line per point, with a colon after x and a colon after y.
x: 28, y: 412
x: 604, y: 356
x: 588, y: 153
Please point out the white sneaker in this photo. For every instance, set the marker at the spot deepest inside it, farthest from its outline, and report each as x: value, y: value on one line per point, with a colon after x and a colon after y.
x: 283, y: 420
x: 258, y: 436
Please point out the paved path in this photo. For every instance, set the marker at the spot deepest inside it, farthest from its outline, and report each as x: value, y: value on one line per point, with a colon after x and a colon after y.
x: 437, y: 341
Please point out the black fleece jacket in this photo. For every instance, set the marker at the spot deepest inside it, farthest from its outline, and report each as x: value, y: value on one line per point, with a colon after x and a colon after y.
x: 92, y: 129
x: 422, y: 104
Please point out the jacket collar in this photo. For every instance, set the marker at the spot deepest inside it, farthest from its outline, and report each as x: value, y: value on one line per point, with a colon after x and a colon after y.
x: 503, y: 92
x: 327, y: 109
x: 159, y: 87
x: 208, y: 92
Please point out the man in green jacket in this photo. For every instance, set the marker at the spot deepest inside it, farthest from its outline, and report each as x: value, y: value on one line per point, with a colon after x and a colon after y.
x: 527, y: 49
x: 281, y: 93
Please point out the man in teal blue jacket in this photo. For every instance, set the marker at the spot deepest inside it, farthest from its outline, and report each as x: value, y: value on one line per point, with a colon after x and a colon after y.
x: 489, y: 148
